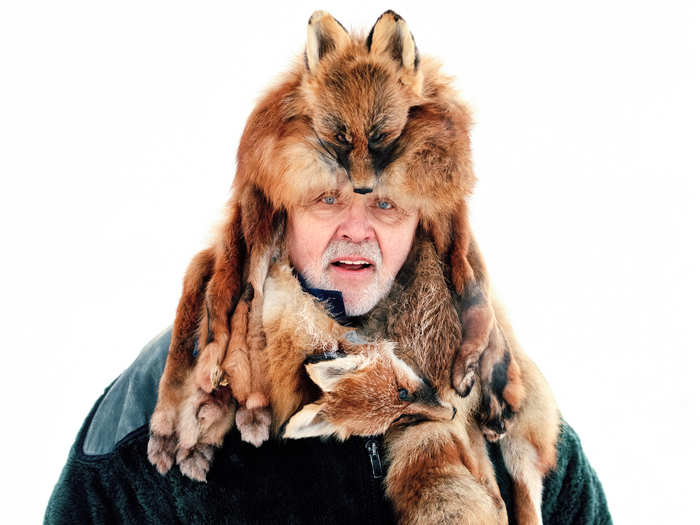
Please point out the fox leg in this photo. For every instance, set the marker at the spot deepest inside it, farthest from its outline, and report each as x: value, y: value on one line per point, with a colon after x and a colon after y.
x: 502, y: 388
x: 250, y: 420
x: 483, y: 350
x: 212, y: 284
x: 163, y: 439
x: 207, y: 415
x: 529, y: 446
x: 222, y: 293
x: 522, y: 460
x: 205, y: 419
x: 470, y: 280
x: 428, y: 482
x: 254, y: 419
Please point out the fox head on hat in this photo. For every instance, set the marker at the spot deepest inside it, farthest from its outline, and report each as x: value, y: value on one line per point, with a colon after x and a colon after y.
x: 371, y: 115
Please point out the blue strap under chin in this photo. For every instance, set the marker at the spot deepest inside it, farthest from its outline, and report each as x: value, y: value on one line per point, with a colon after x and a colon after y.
x: 332, y: 299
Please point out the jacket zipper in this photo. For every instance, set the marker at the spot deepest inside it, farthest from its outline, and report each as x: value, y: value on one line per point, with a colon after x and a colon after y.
x: 375, y: 460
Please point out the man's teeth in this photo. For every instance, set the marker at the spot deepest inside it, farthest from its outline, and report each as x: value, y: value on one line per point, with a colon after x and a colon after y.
x: 354, y: 262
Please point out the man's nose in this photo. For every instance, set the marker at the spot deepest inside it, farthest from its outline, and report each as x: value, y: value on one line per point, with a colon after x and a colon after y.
x: 356, y: 225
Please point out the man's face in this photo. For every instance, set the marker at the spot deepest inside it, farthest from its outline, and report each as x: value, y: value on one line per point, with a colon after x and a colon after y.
x: 340, y: 240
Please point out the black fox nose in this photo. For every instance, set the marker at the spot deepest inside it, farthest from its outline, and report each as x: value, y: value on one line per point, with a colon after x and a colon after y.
x: 362, y: 191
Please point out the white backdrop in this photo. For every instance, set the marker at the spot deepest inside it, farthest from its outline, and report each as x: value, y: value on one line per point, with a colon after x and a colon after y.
x: 118, y: 127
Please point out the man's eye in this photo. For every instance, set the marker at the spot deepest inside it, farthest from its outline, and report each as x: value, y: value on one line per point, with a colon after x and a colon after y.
x: 384, y: 205
x: 328, y: 199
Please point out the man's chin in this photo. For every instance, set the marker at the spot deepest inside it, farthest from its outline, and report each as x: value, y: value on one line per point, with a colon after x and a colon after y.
x: 359, y: 301
x: 360, y: 306
x: 361, y: 289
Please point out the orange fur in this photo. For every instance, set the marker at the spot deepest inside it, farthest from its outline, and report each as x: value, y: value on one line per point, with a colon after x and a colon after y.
x: 376, y: 94
x: 439, y: 470
x: 433, y: 459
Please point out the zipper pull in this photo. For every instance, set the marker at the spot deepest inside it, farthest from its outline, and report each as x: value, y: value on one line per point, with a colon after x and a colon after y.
x: 374, y: 458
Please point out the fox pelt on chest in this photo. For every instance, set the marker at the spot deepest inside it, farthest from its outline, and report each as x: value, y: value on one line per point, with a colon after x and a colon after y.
x: 391, y: 376
x: 439, y: 470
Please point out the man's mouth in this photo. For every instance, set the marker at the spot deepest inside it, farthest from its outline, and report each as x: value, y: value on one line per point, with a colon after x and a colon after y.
x: 352, y: 264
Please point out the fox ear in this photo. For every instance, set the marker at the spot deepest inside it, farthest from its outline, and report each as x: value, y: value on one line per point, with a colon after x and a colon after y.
x: 391, y: 37
x: 326, y: 374
x: 324, y: 34
x: 308, y: 422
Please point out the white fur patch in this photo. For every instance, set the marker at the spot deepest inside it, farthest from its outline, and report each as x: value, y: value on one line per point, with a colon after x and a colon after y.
x: 307, y: 423
x: 327, y: 374
x: 521, y: 460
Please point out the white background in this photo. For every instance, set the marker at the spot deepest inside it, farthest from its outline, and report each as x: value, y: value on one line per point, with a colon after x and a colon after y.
x: 118, y: 127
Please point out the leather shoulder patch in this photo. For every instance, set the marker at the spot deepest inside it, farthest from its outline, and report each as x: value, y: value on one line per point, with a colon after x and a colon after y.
x: 129, y: 402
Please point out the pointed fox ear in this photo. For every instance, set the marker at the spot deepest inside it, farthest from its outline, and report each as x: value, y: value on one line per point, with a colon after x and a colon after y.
x: 308, y: 422
x: 391, y: 37
x: 326, y: 374
x: 324, y: 34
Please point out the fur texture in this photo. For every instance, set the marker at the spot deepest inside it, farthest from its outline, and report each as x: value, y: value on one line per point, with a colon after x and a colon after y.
x: 370, y: 111
x: 420, y: 315
x: 439, y: 471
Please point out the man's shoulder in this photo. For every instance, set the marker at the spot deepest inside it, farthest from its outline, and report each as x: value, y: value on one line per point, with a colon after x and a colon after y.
x: 572, y: 492
x: 126, y: 406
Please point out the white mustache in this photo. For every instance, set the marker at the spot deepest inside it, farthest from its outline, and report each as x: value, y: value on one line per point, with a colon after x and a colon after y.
x: 367, y: 250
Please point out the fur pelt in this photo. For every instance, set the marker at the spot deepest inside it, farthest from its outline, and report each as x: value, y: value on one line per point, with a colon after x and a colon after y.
x: 368, y: 112
x: 419, y: 314
x: 439, y: 469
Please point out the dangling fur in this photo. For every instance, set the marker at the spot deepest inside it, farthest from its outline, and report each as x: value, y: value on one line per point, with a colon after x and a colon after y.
x: 420, y: 315
x: 365, y: 111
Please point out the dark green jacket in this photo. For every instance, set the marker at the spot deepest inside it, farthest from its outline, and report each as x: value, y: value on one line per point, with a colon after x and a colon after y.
x: 108, y: 479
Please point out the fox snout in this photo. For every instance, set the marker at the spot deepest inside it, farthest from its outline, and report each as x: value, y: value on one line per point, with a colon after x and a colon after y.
x: 363, y: 181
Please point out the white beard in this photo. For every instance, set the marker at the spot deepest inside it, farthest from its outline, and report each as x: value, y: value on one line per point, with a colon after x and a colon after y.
x: 357, y: 301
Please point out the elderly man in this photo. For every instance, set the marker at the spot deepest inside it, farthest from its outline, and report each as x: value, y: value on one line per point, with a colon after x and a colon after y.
x: 347, y: 248
x: 355, y: 247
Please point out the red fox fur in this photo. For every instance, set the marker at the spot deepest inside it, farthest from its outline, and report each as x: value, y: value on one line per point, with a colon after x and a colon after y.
x: 367, y: 110
x: 365, y: 389
x: 439, y: 472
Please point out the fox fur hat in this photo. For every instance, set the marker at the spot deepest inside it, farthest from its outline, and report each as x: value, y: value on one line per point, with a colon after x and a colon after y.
x: 364, y: 114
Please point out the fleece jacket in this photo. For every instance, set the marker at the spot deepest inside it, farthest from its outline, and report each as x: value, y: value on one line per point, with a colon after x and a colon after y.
x: 108, y: 478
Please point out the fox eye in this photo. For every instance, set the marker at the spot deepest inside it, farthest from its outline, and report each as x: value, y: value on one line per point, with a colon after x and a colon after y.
x: 377, y: 137
x: 343, y: 139
x: 403, y: 394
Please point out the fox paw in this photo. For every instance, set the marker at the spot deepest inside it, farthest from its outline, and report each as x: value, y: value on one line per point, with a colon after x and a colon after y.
x: 162, y: 440
x: 194, y: 462
x: 464, y: 375
x: 495, y: 427
x: 161, y: 451
x: 254, y: 424
x: 502, y: 393
x: 495, y: 410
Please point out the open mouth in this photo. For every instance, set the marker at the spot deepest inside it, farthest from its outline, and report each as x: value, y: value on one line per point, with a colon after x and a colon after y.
x: 352, y: 265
